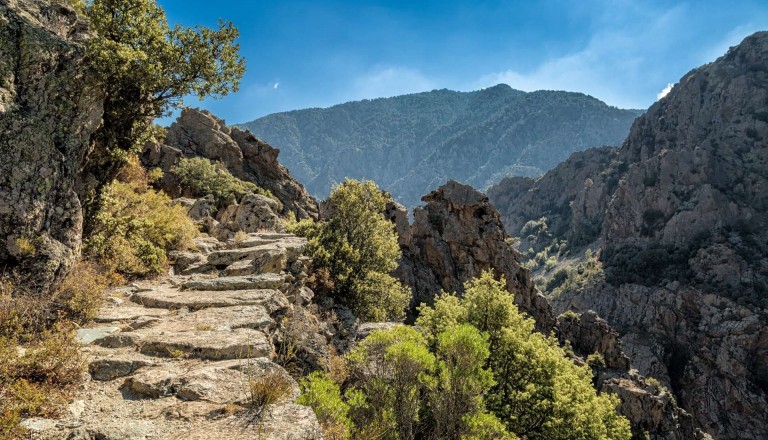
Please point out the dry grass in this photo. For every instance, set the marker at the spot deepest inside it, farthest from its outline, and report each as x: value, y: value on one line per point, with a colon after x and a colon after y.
x: 36, y: 380
x: 267, y: 388
x: 82, y: 292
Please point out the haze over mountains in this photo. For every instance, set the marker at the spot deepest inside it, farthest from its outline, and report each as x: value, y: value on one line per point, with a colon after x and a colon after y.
x: 411, y: 144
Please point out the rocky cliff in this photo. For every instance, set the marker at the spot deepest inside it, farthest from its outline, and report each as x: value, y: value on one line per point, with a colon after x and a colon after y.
x: 48, y: 111
x: 681, y: 213
x: 198, y: 133
x: 454, y: 238
x: 458, y: 234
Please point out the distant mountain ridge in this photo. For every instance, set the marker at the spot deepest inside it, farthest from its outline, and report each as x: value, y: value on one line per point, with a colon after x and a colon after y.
x: 411, y: 144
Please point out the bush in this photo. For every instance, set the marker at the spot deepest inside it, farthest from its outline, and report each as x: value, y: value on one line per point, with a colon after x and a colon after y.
x: 81, y: 294
x: 203, y: 177
x: 137, y: 226
x: 36, y: 381
x: 355, y: 250
x: 323, y: 395
x: 268, y: 388
x: 538, y: 392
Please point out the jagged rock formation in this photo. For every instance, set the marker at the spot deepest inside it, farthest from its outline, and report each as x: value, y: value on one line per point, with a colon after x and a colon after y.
x: 198, y: 133
x: 411, y: 144
x: 682, y: 217
x: 454, y: 238
x: 170, y: 358
x: 48, y: 110
x: 573, y: 211
x: 458, y: 234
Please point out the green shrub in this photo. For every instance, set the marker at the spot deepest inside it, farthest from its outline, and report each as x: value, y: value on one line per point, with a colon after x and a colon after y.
x: 137, y: 226
x: 323, y: 395
x: 355, y: 250
x: 203, y: 177
x: 538, y: 392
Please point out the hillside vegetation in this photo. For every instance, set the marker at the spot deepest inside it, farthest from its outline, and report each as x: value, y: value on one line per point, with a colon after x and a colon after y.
x: 413, y: 143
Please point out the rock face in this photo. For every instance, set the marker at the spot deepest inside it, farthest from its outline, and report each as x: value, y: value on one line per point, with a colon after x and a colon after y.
x: 458, y: 234
x: 456, y: 237
x: 682, y: 219
x: 48, y: 110
x: 200, y: 134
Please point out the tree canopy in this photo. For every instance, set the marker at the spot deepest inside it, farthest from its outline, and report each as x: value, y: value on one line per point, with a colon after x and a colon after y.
x: 145, y: 68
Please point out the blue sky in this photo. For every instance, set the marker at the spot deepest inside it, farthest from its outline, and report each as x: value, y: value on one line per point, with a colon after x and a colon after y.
x: 319, y: 53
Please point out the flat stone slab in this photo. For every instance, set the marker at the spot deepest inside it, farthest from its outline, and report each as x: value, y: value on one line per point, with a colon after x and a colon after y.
x: 246, y: 282
x: 221, y: 319
x: 288, y: 421
x: 86, y: 336
x: 172, y: 298
x: 127, y: 312
x: 111, y: 368
x: 217, y: 382
x: 212, y: 345
x: 239, y: 268
x: 226, y: 257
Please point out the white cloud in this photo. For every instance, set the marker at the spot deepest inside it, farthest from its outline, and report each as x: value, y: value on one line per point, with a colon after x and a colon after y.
x: 665, y: 92
x: 390, y: 81
x: 615, y: 62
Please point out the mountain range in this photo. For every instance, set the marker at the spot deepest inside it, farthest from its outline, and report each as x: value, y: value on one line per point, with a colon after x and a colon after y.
x: 411, y: 144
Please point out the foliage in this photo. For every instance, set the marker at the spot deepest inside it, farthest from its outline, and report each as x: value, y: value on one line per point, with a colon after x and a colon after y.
x: 35, y: 382
x: 538, y: 392
x: 203, y: 177
x: 596, y: 361
x: 456, y: 396
x: 137, y: 226
x: 357, y: 248
x: 323, y: 395
x: 268, y: 388
x: 588, y: 271
x: 81, y: 294
x: 390, y: 368
x: 147, y: 67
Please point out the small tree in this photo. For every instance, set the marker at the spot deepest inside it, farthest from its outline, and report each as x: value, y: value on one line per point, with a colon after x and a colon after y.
x: 145, y: 68
x: 357, y: 247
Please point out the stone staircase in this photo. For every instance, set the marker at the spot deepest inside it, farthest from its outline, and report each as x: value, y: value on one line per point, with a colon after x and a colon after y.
x: 175, y: 358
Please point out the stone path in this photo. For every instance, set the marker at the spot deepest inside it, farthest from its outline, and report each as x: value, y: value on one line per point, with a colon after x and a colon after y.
x: 175, y: 358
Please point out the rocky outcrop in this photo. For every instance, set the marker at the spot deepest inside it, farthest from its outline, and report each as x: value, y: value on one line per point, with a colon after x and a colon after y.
x: 571, y: 199
x: 588, y: 333
x: 454, y: 238
x: 198, y: 133
x: 49, y: 109
x: 683, y: 227
x: 651, y: 409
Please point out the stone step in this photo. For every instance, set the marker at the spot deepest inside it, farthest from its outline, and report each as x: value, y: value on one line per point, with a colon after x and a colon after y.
x: 126, y: 313
x: 226, y: 257
x: 211, y: 345
x: 245, y: 282
x: 172, y: 298
x: 288, y: 421
x: 249, y: 250
x: 106, y: 368
x: 255, y: 317
x: 216, y: 382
